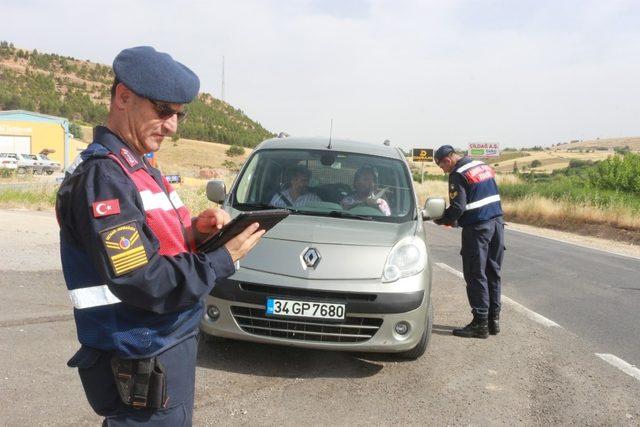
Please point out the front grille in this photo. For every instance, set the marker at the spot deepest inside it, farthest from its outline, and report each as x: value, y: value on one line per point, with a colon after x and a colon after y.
x: 343, y: 297
x: 351, y: 330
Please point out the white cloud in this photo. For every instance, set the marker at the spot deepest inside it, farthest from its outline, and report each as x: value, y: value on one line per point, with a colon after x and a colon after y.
x: 418, y: 73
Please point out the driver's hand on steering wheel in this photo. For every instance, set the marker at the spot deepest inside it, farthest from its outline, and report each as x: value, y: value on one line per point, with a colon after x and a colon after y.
x: 370, y: 201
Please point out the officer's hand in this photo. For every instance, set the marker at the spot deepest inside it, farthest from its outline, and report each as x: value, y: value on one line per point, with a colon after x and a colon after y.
x: 240, y: 245
x: 211, y: 220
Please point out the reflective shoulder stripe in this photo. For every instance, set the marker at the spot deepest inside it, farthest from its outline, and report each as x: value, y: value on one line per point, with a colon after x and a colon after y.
x: 175, y: 199
x: 469, y: 166
x: 160, y: 200
x: 73, y: 166
x: 483, y: 202
x: 94, y: 296
x: 153, y: 201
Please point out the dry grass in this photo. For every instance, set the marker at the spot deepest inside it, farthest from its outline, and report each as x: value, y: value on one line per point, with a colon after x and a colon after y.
x: 187, y: 156
x: 536, y: 209
x: 632, y: 142
x: 618, y: 224
x: 194, y: 196
x: 550, y: 160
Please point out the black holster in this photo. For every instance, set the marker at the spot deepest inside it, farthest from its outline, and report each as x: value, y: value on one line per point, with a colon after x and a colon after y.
x: 141, y: 383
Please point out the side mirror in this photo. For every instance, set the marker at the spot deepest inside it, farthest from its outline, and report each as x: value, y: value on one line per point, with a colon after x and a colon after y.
x: 433, y: 208
x: 216, y: 191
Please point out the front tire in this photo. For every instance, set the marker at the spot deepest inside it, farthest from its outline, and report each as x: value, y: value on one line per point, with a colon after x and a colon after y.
x: 422, y: 345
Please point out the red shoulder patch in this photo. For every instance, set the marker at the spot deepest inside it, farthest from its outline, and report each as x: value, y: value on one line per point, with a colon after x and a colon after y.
x: 128, y: 157
x: 106, y: 208
x: 479, y: 173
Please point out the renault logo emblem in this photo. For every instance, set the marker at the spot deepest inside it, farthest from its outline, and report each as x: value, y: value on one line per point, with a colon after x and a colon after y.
x: 311, y: 257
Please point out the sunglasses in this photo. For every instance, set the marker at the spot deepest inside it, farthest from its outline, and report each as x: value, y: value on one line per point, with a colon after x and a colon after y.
x: 164, y: 111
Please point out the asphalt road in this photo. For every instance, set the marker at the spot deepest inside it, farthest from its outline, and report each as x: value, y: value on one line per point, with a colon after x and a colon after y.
x: 530, y: 374
x: 592, y: 293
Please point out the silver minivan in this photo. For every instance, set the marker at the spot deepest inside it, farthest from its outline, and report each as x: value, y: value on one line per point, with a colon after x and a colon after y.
x: 349, y: 269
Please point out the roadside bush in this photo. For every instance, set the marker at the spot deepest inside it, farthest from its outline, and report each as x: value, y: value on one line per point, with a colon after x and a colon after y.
x: 417, y: 177
x: 536, y: 163
x: 235, y: 150
x: 573, y: 189
x: 75, y: 130
x: 618, y: 173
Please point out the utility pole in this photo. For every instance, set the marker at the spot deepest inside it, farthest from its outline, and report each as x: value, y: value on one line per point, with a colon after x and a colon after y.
x: 222, y: 88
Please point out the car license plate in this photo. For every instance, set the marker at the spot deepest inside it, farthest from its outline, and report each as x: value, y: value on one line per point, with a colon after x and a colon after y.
x: 318, y: 310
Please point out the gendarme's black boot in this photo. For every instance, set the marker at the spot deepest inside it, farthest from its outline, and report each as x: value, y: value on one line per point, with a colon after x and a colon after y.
x: 494, y: 324
x: 478, y: 328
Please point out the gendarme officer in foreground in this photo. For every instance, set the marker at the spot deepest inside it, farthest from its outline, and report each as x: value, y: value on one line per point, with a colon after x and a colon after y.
x: 475, y: 206
x: 128, y: 252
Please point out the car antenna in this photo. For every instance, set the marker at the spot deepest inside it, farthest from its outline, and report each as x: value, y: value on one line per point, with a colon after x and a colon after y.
x: 330, y: 133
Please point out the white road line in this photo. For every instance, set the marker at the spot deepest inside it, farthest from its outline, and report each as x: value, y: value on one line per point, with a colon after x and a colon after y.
x: 625, y: 367
x: 450, y: 269
x: 516, y: 306
x: 530, y: 313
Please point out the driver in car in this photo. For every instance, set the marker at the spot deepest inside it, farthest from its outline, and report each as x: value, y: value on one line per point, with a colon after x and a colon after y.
x: 297, y: 194
x: 364, y: 182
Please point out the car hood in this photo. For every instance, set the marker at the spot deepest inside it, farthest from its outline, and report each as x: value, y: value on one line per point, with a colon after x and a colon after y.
x: 347, y: 248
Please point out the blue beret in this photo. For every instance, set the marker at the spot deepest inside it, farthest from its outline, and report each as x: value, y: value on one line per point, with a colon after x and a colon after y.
x: 442, y: 152
x: 156, y: 75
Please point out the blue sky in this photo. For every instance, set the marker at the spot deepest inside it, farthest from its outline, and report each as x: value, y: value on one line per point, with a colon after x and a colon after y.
x: 420, y: 73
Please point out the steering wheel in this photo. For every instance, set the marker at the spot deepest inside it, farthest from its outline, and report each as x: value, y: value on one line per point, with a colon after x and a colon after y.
x: 342, y: 188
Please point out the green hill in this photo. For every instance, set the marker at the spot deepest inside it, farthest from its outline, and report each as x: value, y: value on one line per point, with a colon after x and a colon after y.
x: 80, y: 90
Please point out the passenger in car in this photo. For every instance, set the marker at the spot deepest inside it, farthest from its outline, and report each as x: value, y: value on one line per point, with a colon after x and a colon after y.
x: 297, y: 194
x: 364, y: 183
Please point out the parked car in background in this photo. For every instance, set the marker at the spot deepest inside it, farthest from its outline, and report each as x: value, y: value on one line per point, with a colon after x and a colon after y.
x: 22, y: 165
x: 38, y: 166
x: 340, y: 272
x: 48, y: 165
x: 8, y: 163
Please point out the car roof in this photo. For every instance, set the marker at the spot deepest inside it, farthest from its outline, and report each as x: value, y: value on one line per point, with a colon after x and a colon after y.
x: 344, y: 145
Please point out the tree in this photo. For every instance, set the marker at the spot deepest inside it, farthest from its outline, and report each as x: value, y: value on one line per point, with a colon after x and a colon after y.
x: 75, y: 130
x: 536, y: 163
x: 515, y: 167
x: 235, y: 150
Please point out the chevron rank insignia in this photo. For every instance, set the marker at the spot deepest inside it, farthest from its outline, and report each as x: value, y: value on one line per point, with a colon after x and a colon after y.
x: 124, y: 248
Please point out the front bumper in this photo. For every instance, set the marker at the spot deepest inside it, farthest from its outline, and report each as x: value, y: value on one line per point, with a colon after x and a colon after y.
x: 369, y: 325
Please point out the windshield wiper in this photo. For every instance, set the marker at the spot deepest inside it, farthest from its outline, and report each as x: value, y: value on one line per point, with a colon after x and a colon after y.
x: 258, y: 206
x: 342, y: 214
x: 262, y: 206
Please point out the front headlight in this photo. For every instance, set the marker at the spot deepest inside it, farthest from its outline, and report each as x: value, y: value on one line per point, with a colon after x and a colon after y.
x: 407, y: 257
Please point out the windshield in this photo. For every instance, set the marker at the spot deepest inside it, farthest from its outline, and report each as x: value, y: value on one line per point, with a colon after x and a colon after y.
x: 326, y: 183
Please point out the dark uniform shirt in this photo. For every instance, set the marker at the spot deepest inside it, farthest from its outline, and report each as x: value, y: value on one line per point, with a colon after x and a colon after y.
x: 170, y: 285
x: 473, y: 194
x: 457, y: 198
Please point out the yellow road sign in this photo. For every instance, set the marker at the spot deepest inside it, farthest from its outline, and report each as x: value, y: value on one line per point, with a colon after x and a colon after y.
x: 423, y: 154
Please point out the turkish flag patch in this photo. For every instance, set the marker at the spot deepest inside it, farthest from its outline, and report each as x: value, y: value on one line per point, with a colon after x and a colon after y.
x: 106, y: 208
